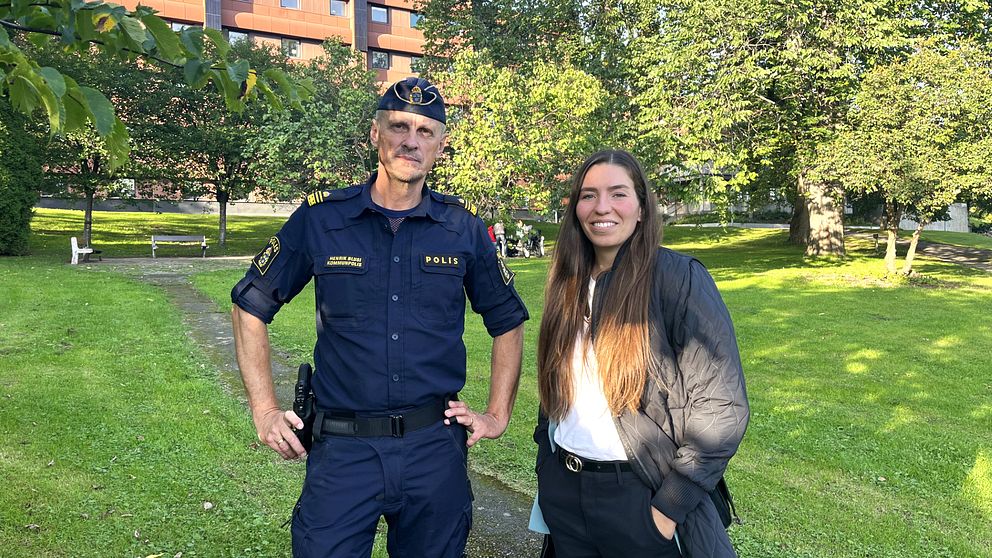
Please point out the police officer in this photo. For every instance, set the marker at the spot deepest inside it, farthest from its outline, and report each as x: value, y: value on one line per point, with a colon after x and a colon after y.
x: 392, y: 262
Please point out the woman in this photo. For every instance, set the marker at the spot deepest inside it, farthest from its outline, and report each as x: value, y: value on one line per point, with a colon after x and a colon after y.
x: 640, y: 376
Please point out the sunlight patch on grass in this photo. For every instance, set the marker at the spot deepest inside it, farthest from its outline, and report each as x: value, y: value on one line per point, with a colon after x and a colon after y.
x: 977, y: 487
x: 901, y: 416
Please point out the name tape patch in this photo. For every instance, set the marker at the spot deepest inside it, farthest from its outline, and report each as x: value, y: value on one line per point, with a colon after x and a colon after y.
x: 268, y: 255
x: 351, y: 262
x: 441, y: 261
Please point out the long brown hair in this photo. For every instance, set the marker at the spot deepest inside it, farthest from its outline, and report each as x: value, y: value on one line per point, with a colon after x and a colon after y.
x: 623, y: 353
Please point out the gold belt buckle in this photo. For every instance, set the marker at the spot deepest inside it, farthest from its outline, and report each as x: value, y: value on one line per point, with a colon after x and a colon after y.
x: 573, y: 463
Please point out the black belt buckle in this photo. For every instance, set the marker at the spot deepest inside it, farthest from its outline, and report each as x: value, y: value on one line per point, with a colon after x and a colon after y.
x: 573, y: 463
x: 396, y: 425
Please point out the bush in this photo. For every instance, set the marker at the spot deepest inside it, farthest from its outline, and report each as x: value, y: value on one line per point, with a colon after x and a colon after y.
x: 20, y: 175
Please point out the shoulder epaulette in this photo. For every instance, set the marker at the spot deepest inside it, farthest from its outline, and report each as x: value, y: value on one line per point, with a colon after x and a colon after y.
x: 321, y: 196
x: 458, y: 201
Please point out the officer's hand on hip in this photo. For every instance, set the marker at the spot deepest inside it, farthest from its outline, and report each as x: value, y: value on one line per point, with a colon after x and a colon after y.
x: 479, y: 425
x: 275, y: 429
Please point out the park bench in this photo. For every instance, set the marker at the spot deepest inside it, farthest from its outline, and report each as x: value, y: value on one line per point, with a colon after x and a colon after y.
x: 179, y: 239
x: 85, y: 251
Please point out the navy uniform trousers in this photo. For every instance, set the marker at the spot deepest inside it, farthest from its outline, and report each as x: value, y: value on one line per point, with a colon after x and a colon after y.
x: 419, y: 482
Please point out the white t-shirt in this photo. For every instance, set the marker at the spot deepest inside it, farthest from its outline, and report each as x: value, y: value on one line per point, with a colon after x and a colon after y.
x: 588, y: 430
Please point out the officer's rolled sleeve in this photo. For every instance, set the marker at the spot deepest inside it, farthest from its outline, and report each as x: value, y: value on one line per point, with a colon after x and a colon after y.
x: 491, y: 290
x: 253, y: 300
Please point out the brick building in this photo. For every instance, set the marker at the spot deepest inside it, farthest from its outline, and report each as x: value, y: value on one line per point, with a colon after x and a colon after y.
x: 384, y: 30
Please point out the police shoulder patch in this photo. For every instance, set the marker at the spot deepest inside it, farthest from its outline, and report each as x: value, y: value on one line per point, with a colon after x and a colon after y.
x: 268, y: 254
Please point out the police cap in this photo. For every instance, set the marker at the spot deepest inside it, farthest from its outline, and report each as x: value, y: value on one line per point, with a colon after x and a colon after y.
x: 416, y: 95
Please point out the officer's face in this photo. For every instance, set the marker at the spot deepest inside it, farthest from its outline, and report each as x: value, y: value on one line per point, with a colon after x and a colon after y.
x: 408, y: 144
x: 608, y: 208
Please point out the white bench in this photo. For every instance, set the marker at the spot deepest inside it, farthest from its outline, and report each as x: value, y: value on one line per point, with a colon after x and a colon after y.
x: 156, y: 239
x: 76, y: 251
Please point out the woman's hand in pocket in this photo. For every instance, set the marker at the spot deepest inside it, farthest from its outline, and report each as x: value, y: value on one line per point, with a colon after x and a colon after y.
x: 664, y: 525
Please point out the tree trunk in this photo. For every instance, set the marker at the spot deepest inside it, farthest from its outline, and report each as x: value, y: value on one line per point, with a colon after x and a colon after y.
x: 222, y: 197
x: 88, y: 218
x: 890, y: 223
x: 908, y: 267
x: 799, y: 225
x: 826, y: 220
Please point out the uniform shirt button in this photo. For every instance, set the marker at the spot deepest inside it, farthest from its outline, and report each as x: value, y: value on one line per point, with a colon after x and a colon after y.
x: 394, y: 336
x: 396, y: 259
x: 395, y: 298
x: 396, y: 377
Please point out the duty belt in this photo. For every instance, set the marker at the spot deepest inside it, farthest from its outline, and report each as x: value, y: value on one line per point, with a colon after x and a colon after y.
x: 334, y: 424
x: 577, y: 464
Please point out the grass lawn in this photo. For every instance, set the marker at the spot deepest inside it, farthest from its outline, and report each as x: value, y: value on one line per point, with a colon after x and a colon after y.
x: 114, y: 432
x: 970, y: 240
x: 871, y: 431
x: 128, y: 234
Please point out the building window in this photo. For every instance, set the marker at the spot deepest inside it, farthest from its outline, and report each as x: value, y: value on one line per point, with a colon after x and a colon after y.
x: 415, y: 62
x: 294, y: 4
x: 235, y: 36
x: 415, y: 19
x: 177, y: 27
x: 380, y: 60
x: 339, y: 8
x: 380, y: 14
x: 291, y: 47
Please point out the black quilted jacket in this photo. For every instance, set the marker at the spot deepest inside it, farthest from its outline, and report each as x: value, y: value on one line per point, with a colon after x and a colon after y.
x: 693, y: 417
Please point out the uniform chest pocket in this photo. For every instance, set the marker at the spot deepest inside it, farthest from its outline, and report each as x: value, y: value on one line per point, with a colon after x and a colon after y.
x: 344, y: 286
x: 440, y: 288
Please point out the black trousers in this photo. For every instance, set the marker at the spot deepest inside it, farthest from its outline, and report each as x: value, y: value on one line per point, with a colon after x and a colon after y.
x: 599, y: 514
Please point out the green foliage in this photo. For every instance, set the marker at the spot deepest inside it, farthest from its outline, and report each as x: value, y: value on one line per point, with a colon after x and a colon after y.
x: 20, y: 177
x: 919, y: 133
x: 517, y: 137
x: 83, y: 27
x: 325, y: 143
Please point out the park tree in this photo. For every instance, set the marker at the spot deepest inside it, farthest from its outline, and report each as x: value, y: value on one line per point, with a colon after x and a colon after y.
x: 753, y: 87
x: 20, y: 174
x: 920, y: 136
x: 516, y: 137
x: 325, y: 142
x: 70, y: 105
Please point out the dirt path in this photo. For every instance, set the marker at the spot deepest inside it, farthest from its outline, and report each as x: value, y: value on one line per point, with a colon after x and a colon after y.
x: 501, y: 514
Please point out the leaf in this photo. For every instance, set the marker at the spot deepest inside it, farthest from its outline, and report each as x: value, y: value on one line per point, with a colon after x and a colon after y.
x: 195, y: 71
x: 103, y: 22
x: 76, y: 108
x: 249, y: 84
x: 54, y: 79
x: 118, y: 144
x: 270, y: 97
x: 134, y: 29
x: 166, y: 40
x: 101, y: 111
x: 23, y: 94
x: 238, y: 71
x: 192, y: 39
x: 232, y: 90
x: 220, y: 43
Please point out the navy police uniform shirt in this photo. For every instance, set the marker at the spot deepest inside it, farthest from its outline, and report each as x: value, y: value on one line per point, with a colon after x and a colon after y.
x: 390, y: 307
